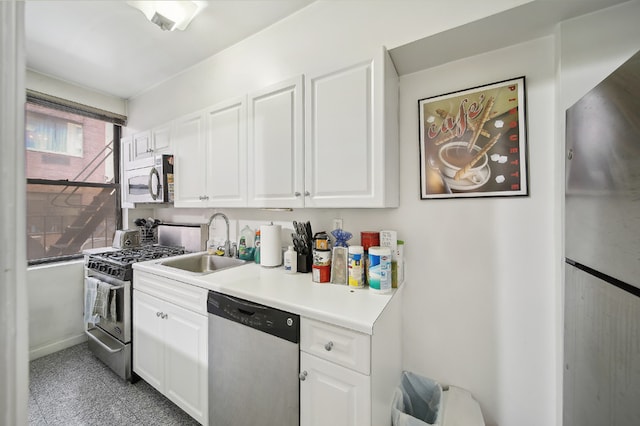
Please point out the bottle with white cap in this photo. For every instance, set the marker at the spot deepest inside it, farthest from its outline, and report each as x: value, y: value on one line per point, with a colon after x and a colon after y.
x: 290, y: 261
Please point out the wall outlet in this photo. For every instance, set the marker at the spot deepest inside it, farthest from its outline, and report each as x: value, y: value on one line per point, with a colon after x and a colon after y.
x: 337, y: 224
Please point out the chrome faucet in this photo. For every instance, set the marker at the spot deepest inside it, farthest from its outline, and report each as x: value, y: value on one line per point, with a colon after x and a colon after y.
x: 227, y: 243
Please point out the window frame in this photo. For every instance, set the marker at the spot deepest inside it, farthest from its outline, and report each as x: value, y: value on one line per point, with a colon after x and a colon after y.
x: 118, y: 121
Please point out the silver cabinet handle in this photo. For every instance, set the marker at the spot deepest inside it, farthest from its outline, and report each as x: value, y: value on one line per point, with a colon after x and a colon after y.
x: 303, y: 376
x: 307, y: 193
x: 165, y: 316
x: 158, y: 314
x: 297, y: 194
x: 328, y: 346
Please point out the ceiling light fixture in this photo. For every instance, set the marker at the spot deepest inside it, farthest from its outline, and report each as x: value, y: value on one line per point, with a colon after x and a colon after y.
x: 169, y: 15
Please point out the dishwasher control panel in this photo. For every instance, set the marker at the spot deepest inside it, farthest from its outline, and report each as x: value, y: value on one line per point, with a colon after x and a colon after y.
x: 260, y: 317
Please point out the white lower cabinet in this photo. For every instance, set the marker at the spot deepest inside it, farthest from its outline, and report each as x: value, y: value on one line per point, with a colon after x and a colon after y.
x: 170, y: 351
x: 347, y: 378
x: 333, y: 395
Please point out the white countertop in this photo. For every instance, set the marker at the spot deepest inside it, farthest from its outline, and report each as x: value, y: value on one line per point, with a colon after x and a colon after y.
x: 356, y: 309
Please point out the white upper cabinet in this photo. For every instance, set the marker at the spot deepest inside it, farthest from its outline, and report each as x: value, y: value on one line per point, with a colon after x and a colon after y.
x: 142, y: 145
x: 226, y: 160
x: 161, y: 139
x: 211, y: 156
x: 189, y: 166
x: 276, y: 148
x: 327, y: 140
x: 351, y: 136
x: 138, y: 150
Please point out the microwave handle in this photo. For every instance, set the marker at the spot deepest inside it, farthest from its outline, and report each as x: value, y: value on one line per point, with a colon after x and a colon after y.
x: 154, y: 171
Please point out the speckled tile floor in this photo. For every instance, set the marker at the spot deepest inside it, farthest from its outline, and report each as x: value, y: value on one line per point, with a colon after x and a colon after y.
x: 73, y: 387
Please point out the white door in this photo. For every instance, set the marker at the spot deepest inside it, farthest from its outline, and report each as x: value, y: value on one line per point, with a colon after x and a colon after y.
x: 276, y: 151
x: 227, y: 154
x: 186, y: 360
x: 148, y: 330
x: 333, y: 395
x: 190, y: 164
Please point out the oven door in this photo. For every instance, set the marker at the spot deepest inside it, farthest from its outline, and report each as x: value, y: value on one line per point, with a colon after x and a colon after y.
x: 144, y: 185
x: 118, y: 324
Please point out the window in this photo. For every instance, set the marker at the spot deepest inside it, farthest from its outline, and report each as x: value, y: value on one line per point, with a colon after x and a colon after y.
x: 53, y: 134
x: 73, y: 194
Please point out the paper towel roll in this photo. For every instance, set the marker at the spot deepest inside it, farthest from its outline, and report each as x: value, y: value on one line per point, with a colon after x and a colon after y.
x: 270, y: 245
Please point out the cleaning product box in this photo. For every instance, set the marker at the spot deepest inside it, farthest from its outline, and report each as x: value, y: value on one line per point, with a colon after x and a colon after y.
x: 389, y: 239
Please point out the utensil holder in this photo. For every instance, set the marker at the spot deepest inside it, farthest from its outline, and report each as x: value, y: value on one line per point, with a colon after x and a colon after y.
x: 304, y: 262
x: 148, y: 236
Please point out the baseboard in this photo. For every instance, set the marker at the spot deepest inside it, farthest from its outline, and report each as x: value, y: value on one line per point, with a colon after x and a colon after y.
x: 35, y: 353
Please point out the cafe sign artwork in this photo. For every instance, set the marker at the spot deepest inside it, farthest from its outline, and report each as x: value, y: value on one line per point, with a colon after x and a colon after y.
x: 473, y: 142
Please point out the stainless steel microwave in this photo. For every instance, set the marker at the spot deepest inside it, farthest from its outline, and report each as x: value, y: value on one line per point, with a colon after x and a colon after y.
x: 150, y: 184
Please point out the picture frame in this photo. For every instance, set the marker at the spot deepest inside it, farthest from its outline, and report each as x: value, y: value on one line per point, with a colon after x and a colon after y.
x: 473, y: 143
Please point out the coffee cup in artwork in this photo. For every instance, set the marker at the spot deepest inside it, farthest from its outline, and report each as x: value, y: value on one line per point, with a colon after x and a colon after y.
x: 455, y: 156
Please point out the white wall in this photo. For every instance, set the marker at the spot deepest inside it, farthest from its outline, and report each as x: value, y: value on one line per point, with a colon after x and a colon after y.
x: 56, y: 300
x: 488, y: 281
x: 62, y: 89
x: 55, y: 291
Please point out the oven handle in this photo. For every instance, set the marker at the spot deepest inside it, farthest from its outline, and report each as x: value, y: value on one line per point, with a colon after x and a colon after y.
x: 101, y: 343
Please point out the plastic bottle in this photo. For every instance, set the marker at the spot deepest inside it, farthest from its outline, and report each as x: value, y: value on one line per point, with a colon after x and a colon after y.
x: 290, y: 261
x: 211, y: 247
x: 380, y: 269
x: 256, y: 253
x: 356, y: 266
x: 245, y: 245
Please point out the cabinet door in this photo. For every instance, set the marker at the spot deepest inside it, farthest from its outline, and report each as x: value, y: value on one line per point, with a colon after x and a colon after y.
x: 126, y: 152
x: 276, y: 151
x: 161, y: 139
x: 190, y: 161
x: 126, y: 158
x: 148, y: 349
x: 227, y: 154
x: 351, y: 136
x: 333, y: 395
x: 186, y: 377
x: 142, y: 149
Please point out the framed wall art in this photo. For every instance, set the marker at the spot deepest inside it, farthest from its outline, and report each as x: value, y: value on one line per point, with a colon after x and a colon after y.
x: 473, y: 143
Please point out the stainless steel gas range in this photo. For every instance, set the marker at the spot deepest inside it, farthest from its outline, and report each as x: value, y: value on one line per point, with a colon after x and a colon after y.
x: 110, y: 275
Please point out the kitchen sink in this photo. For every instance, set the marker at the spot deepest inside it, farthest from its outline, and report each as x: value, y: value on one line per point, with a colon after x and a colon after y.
x: 203, y: 263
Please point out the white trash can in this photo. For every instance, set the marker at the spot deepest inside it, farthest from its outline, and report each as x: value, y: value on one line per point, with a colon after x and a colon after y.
x: 420, y: 401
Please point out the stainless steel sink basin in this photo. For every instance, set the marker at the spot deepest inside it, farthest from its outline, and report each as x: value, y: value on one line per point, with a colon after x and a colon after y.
x: 203, y: 263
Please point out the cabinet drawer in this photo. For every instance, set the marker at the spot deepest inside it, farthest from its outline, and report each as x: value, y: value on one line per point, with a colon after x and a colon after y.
x: 345, y: 347
x: 185, y: 295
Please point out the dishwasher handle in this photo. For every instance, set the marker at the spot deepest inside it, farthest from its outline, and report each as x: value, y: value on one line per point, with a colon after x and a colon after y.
x: 276, y: 322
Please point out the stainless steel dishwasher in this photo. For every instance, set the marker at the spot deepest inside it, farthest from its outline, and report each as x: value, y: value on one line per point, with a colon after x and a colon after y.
x: 254, y: 362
